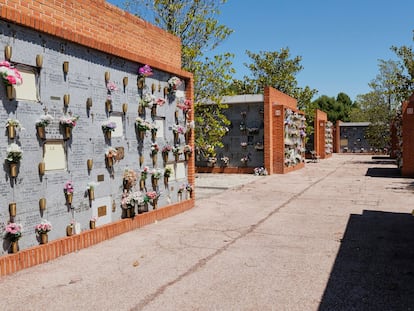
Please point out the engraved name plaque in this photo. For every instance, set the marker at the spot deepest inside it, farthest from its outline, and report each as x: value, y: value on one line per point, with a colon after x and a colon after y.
x: 54, y: 156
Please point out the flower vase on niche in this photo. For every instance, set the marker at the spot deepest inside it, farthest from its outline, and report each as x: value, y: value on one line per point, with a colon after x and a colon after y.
x: 42, y: 204
x: 8, y: 52
x: 13, y: 169
x: 91, y: 194
x: 128, y: 212
x: 12, y: 209
x: 14, y: 247
x: 140, y: 110
x: 153, y: 135
x: 108, y: 135
x: 154, y: 182
x: 141, y: 184
x: 141, y: 135
x: 67, y: 132
x: 154, y: 203
x: 44, y: 238
x: 41, y: 132
x: 140, y: 83
x: 153, y: 111
x: 69, y: 198
x: 10, y: 92
x: 108, y: 105
x: 66, y: 100
x: 42, y: 166
x: 154, y: 160
x: 143, y: 208
x: 141, y: 160
x: 69, y: 230
x: 11, y: 132
x: 165, y: 157
x: 109, y: 161
x: 89, y: 164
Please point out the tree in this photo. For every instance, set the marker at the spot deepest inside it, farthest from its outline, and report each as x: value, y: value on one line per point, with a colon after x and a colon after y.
x: 336, y: 109
x: 375, y: 109
x: 194, y: 21
x: 275, y: 69
x: 405, y: 81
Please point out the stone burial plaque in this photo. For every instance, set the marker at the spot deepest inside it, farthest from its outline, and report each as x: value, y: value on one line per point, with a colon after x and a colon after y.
x: 159, y: 123
x: 101, y: 207
x: 119, y: 132
x: 28, y: 89
x: 180, y: 171
x: 54, y: 156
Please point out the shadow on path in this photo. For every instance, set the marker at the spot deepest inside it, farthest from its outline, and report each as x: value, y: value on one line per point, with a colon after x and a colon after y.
x: 374, y: 268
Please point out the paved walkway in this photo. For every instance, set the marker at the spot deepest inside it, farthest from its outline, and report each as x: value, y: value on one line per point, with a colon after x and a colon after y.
x: 336, y: 235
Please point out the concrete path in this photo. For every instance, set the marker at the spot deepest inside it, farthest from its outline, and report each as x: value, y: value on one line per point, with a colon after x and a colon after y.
x: 336, y: 235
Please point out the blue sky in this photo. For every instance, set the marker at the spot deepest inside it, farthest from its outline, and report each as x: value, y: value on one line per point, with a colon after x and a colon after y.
x: 340, y: 42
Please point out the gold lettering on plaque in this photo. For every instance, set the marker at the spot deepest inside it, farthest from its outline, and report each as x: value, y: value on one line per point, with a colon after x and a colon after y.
x: 101, y: 211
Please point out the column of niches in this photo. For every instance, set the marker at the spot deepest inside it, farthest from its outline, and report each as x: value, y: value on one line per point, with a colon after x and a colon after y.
x: 294, y: 135
x: 164, y: 132
x: 328, y: 139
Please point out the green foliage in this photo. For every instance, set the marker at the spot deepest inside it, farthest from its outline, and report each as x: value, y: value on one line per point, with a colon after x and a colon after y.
x: 196, y: 24
x: 275, y: 69
x: 405, y: 77
x: 336, y: 109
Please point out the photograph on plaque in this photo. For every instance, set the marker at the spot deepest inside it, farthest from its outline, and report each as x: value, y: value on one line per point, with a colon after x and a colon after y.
x: 28, y: 89
x: 119, y: 130
x: 54, y: 156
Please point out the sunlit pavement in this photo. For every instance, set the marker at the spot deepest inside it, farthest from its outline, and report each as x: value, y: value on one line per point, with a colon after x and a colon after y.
x: 336, y: 235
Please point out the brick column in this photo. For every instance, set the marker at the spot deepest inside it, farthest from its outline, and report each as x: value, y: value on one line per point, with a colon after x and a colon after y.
x: 408, y: 137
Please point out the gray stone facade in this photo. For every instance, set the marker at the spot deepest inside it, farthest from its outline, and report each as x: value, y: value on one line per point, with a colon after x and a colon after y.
x: 85, y: 79
x: 245, y: 136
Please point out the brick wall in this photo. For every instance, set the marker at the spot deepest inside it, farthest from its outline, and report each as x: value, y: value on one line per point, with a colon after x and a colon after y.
x: 275, y: 104
x: 99, y: 25
x: 319, y: 132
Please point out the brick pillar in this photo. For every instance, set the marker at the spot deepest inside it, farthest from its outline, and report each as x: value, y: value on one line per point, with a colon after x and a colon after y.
x: 319, y: 125
x: 408, y: 137
x: 268, y: 132
x: 278, y: 139
x: 337, y: 137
